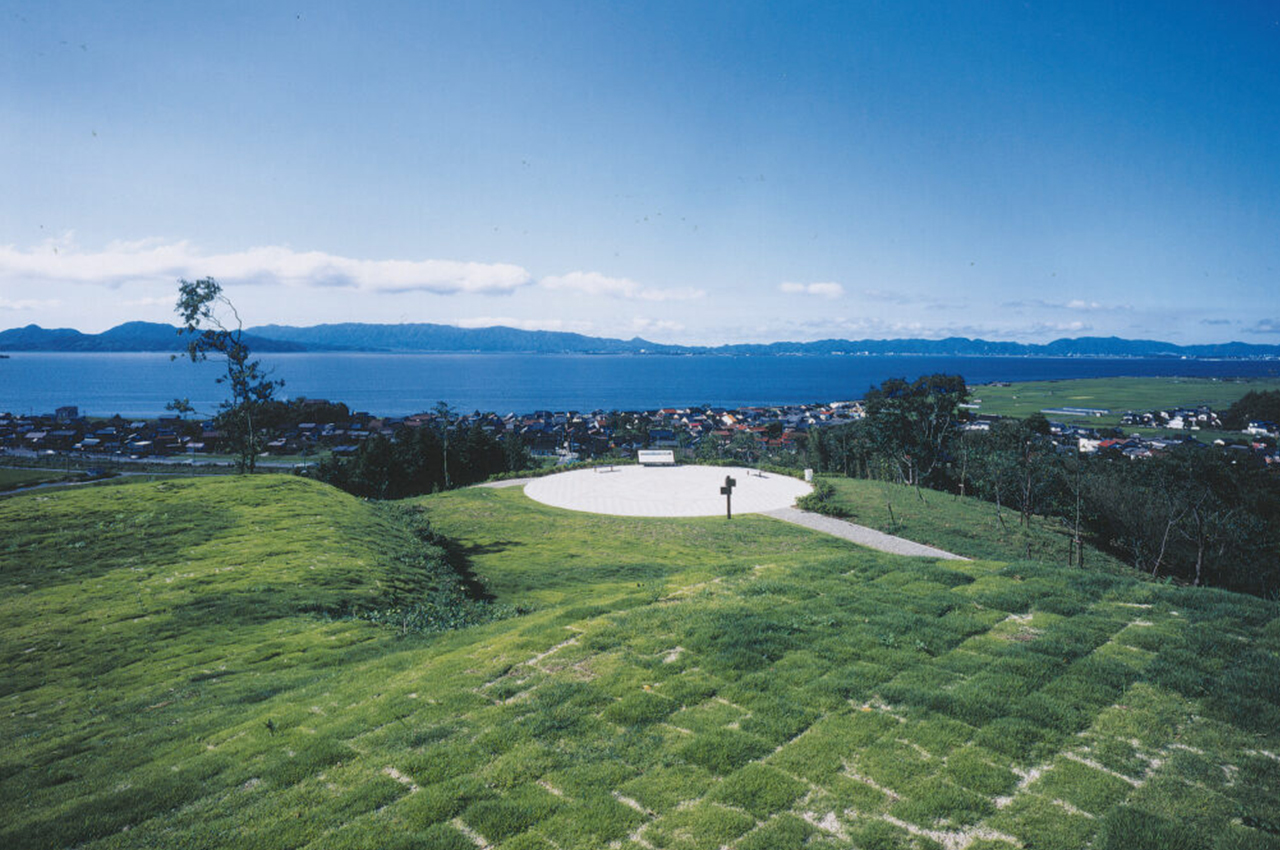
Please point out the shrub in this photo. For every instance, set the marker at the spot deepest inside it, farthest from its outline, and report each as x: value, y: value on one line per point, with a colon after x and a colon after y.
x: 822, y: 501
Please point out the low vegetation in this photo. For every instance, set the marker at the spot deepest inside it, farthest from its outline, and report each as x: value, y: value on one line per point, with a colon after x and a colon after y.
x: 1116, y: 395
x: 14, y: 479
x: 1205, y: 515
x: 964, y: 525
x: 426, y: 460
x: 185, y: 666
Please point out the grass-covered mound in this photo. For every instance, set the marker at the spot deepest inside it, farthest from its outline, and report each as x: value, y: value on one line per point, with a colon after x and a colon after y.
x: 964, y: 525
x: 678, y: 684
x: 135, y: 620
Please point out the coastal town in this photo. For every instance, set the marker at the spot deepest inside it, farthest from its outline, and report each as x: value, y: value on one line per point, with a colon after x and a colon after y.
x: 311, y: 428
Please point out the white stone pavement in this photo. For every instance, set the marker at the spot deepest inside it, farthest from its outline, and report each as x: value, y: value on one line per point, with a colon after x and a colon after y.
x: 695, y: 491
x: 671, y: 491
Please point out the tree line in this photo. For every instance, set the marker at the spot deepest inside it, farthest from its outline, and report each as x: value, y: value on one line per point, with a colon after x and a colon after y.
x: 424, y: 460
x: 1203, y: 515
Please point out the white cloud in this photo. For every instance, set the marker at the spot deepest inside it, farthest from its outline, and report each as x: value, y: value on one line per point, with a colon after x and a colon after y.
x: 151, y: 301
x: 156, y: 260
x: 1077, y: 304
x: 1058, y: 327
x: 907, y: 299
x: 641, y: 325
x: 889, y: 297
x: 824, y: 289
x: 28, y: 304
x: 594, y: 283
x: 524, y: 324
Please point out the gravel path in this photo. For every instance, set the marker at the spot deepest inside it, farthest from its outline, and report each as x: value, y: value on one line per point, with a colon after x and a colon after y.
x: 860, y: 534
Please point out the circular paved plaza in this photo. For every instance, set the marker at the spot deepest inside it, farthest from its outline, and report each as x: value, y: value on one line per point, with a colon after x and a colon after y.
x: 665, y: 490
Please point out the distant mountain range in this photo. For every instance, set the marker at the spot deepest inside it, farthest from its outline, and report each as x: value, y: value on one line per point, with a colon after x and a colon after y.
x: 131, y: 336
x: 151, y: 336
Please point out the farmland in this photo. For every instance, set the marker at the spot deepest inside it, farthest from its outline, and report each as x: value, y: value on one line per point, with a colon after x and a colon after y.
x: 1116, y: 395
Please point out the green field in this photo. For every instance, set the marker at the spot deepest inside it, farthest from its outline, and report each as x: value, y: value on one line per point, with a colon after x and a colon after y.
x: 180, y: 672
x: 11, y: 479
x: 968, y: 527
x: 1115, y: 394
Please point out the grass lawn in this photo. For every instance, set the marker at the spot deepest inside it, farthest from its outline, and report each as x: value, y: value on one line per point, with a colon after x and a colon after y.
x: 176, y: 676
x: 11, y: 479
x: 963, y: 525
x: 1117, y: 395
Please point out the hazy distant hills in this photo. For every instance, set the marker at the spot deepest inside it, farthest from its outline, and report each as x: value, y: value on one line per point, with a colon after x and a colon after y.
x: 131, y: 336
x: 151, y: 336
x: 353, y: 336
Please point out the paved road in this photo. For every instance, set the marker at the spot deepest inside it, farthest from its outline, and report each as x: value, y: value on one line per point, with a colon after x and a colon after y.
x: 860, y: 534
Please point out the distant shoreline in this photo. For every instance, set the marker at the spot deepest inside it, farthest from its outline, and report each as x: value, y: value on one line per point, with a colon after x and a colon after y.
x: 330, y: 352
x: 141, y: 337
x: 141, y: 383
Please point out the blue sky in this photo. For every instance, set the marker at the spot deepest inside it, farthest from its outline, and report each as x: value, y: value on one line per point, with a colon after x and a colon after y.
x: 688, y: 172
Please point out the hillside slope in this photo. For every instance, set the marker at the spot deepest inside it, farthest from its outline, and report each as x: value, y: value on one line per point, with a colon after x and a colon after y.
x: 137, y: 620
x: 675, y: 684
x: 130, y: 336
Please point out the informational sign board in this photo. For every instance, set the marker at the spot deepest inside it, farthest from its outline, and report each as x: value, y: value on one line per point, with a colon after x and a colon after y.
x: 727, y: 492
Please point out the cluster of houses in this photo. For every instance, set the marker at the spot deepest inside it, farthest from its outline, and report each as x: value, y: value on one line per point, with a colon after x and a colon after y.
x: 567, y: 434
x: 1188, y: 418
x: 1091, y: 441
x: 65, y: 430
x: 770, y: 429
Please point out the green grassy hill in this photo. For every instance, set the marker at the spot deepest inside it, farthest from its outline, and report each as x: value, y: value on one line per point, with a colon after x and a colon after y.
x: 176, y: 675
x: 966, y: 526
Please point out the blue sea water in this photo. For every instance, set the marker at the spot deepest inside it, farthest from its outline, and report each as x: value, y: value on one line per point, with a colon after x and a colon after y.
x: 139, y: 385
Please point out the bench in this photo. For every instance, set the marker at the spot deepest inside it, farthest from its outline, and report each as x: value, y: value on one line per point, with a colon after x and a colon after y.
x: 656, y: 457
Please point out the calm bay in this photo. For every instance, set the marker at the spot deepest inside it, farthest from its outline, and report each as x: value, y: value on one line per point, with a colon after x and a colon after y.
x: 140, y: 384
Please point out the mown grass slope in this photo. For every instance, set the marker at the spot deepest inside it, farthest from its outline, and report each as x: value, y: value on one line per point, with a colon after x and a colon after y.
x: 11, y: 479
x: 964, y: 525
x: 677, y: 684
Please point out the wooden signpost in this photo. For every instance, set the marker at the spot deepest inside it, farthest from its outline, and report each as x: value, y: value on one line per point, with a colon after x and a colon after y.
x: 727, y: 492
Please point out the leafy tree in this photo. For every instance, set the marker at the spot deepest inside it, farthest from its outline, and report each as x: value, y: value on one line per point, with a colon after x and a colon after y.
x: 1253, y: 406
x: 204, y: 310
x: 913, y: 424
x: 744, y: 446
x: 445, y: 415
x: 414, y: 462
x: 846, y: 449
